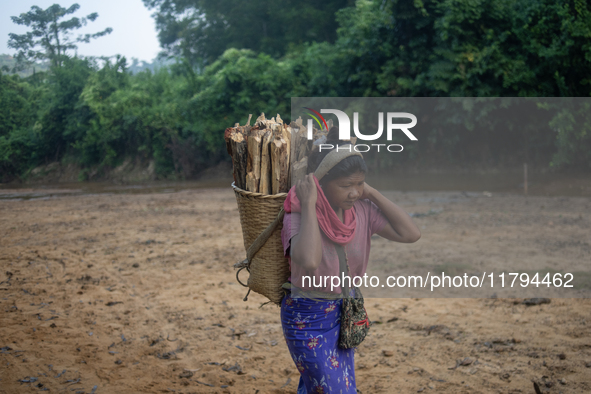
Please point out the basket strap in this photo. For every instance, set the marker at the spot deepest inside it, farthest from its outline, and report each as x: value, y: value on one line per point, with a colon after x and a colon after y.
x: 260, y: 241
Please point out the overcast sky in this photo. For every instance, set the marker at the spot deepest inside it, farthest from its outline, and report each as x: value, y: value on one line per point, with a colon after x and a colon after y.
x: 134, y: 33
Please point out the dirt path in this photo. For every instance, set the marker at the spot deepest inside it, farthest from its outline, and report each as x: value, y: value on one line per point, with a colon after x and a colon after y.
x: 136, y: 294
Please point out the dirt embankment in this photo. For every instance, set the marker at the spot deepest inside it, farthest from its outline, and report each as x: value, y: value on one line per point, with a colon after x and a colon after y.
x: 136, y: 294
x: 130, y: 171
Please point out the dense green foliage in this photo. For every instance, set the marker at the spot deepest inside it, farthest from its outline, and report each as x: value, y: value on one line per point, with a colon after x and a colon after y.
x: 201, y: 30
x: 17, y: 102
x: 467, y: 48
x: 97, y: 116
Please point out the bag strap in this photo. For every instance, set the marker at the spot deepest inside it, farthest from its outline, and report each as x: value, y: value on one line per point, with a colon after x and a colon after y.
x: 343, y: 268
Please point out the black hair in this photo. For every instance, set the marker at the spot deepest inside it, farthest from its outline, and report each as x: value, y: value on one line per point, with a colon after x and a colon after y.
x: 345, y: 167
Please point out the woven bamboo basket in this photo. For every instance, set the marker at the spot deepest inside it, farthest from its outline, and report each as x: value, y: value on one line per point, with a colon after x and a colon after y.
x: 268, y: 267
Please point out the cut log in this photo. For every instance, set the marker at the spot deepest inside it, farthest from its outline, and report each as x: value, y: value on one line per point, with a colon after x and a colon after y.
x: 279, y: 165
x: 287, y: 137
x: 299, y: 141
x: 265, y: 179
x: 239, y: 157
x: 227, y: 137
x: 286, y: 133
x: 275, y: 149
x: 261, y: 121
x: 253, y: 162
x: 261, y: 153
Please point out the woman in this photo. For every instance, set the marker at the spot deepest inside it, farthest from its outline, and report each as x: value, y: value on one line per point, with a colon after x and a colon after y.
x: 333, y: 205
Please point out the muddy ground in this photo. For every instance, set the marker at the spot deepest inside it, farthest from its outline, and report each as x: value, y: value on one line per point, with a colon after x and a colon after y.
x: 135, y: 293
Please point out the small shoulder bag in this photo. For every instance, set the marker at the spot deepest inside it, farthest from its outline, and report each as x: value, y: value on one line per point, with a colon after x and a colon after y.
x: 354, y: 321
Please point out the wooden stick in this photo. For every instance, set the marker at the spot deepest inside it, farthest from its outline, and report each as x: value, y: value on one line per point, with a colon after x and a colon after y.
x: 279, y: 165
x: 239, y: 157
x: 261, y: 121
x: 227, y: 137
x: 284, y: 179
x: 265, y: 180
x: 253, y: 162
x: 301, y: 144
x: 287, y: 137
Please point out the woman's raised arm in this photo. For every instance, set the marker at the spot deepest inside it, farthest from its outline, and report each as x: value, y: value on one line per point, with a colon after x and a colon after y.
x: 306, y: 246
x: 400, y: 227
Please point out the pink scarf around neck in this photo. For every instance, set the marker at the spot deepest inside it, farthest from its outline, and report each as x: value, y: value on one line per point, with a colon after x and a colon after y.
x: 330, y: 224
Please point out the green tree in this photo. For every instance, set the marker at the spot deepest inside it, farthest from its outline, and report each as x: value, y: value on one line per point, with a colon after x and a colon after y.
x: 201, y: 30
x: 19, y: 102
x: 473, y: 48
x: 50, y: 37
x: 59, y: 111
x: 477, y: 48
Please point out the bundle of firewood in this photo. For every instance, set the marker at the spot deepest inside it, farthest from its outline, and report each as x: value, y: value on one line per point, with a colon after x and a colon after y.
x: 268, y: 156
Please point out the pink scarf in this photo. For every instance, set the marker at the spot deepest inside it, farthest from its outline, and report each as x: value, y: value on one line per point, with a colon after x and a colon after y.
x: 330, y: 224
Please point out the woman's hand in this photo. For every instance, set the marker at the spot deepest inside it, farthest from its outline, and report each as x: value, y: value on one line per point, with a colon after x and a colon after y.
x: 306, y: 191
x: 367, y: 192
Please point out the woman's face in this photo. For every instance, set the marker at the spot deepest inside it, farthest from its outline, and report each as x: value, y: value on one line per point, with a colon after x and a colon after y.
x: 343, y: 192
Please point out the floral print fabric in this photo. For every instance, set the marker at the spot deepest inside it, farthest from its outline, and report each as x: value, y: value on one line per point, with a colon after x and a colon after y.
x: 311, y: 329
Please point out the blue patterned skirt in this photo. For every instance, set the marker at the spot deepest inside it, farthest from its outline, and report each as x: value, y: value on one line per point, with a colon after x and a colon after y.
x: 311, y: 329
